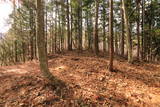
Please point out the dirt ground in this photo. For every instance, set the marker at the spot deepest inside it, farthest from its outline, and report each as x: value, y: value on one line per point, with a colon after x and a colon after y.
x: 88, y: 83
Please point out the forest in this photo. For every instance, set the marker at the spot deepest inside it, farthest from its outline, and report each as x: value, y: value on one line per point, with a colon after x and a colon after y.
x: 81, y: 53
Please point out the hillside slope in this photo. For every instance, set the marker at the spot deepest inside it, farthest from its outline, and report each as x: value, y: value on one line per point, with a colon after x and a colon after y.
x: 88, y: 83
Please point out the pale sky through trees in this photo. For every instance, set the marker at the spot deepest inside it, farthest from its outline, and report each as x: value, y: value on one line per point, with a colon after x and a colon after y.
x: 5, y: 10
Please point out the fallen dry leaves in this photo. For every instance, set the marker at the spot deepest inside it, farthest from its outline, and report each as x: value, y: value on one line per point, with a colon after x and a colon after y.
x: 89, y: 83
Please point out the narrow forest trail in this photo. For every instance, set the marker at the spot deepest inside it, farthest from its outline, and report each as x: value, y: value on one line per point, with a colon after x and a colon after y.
x: 89, y: 81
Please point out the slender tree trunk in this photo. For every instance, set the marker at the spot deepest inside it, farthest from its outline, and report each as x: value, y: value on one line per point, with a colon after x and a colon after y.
x: 138, y: 32
x: 142, y: 39
x: 89, y: 27
x: 46, y: 28
x: 31, y: 48
x: 55, y: 34
x: 116, y: 43
x: 151, y: 35
x: 35, y: 43
x: 14, y: 26
x: 88, y: 30
x: 41, y: 41
x: 52, y: 38
x: 71, y: 28
x: 104, y: 27
x: 128, y: 33
x: 16, y: 54
x: 68, y: 28
x: 23, y: 52
x: 122, y: 32
x: 31, y: 25
x: 59, y: 31
x: 96, y: 46
x: 111, y: 49
x: 80, y: 25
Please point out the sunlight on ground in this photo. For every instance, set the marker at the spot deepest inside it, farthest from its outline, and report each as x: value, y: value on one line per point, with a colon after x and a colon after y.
x: 60, y: 67
x: 155, y: 98
x: 132, y: 84
x: 18, y: 71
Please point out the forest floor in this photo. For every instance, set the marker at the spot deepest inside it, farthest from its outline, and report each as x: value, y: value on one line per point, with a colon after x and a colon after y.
x: 88, y: 83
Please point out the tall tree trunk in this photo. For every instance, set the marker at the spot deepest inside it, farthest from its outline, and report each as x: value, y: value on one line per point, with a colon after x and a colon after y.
x: 46, y: 28
x: 80, y: 25
x: 104, y: 27
x: 138, y: 32
x: 111, y: 49
x: 128, y: 33
x: 31, y: 47
x: 151, y: 35
x: 55, y: 34
x: 71, y: 33
x: 52, y: 34
x: 59, y: 30
x: 68, y: 28
x: 31, y: 30
x: 23, y: 52
x: 142, y: 39
x: 23, y: 45
x: 122, y: 32
x: 35, y: 43
x: 14, y: 26
x: 16, y: 54
x: 41, y: 41
x: 116, y: 42
x: 88, y: 29
x: 96, y: 46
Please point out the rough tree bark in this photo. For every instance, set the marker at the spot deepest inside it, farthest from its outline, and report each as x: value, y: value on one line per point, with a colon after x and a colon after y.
x: 96, y: 46
x: 111, y: 48
x: 122, y: 32
x: 138, y: 30
x: 142, y: 27
x: 41, y: 42
x: 128, y: 33
x: 104, y: 27
x: 68, y: 28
